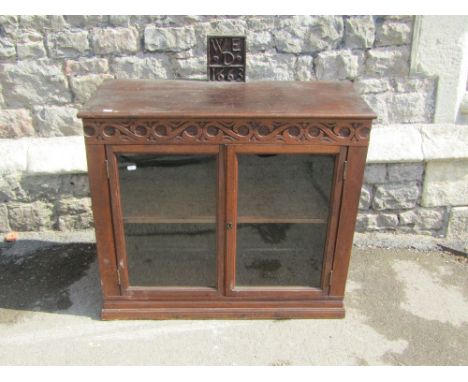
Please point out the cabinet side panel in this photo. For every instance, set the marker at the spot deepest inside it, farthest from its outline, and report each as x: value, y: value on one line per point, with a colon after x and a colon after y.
x: 356, y: 161
x: 100, y: 197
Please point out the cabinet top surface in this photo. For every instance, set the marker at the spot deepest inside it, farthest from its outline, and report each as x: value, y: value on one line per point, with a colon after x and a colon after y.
x: 203, y: 99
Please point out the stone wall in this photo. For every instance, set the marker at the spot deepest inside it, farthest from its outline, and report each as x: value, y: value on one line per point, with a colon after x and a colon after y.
x: 391, y: 201
x: 50, y: 65
x: 47, y: 202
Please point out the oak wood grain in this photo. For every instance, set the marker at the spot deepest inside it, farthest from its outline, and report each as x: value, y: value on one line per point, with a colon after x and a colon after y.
x: 195, y: 99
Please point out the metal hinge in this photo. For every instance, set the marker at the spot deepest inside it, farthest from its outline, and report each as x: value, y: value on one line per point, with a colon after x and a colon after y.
x: 330, y: 278
x: 345, y: 170
x: 107, y: 168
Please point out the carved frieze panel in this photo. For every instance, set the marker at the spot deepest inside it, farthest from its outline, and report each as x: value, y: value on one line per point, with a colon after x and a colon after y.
x: 197, y: 131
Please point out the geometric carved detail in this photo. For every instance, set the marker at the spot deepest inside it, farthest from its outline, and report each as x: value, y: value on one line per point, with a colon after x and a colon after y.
x: 196, y: 131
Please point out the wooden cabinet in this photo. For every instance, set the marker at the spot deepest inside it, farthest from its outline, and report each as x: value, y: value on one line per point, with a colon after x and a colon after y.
x: 222, y: 200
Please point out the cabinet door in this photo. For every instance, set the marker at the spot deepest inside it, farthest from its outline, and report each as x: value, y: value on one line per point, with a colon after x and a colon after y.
x: 167, y: 213
x: 282, y: 207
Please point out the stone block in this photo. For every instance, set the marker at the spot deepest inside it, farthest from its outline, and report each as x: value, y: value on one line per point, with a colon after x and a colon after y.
x: 182, y: 55
x: 395, y: 143
x: 68, y: 44
x: 154, y: 67
x: 86, y: 66
x: 115, y: 41
x: 9, y: 25
x: 292, y: 41
x: 294, y: 22
x: 271, y: 67
x: 29, y: 188
x: 396, y: 196
x: 10, y: 188
x: 178, y: 20
x: 404, y: 172
x: 411, y: 108
x: 30, y: 44
x: 43, y: 23
x: 326, y: 32
x: 423, y: 219
x: 139, y: 21
x: 7, y: 49
x: 37, y: 216
x: 259, y: 41
x: 392, y: 32
x: 4, y: 223
x: 366, y: 197
x: 37, y: 82
x: 372, y: 85
x: 376, y: 222
x: 58, y: 155
x: 388, y: 62
x: 308, y: 34
x: 169, y: 39
x: 260, y: 23
x: 39, y: 187
x: 375, y: 173
x: 339, y: 65
x: 444, y: 141
x: 305, y: 68
x: 191, y: 68
x: 14, y: 155
x: 414, y: 84
x: 445, y: 183
x: 401, y: 18
x: 15, y: 123
x: 458, y: 224
x: 56, y: 121
x: 359, y: 32
x: 233, y: 27
x: 83, y: 87
x: 74, y: 214
x: 379, y: 103
x: 74, y: 185
x: 120, y: 20
x: 86, y: 21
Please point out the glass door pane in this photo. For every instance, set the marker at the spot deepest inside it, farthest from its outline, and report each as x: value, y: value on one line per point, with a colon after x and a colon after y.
x: 168, y: 205
x: 282, y: 216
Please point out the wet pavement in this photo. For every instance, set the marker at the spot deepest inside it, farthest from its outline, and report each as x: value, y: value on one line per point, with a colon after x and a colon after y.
x: 40, y: 279
x: 404, y: 307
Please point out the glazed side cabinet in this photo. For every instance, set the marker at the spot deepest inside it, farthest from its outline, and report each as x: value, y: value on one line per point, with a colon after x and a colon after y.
x: 223, y: 200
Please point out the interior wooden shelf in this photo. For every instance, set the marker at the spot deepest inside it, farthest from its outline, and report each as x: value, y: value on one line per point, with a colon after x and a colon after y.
x: 168, y: 220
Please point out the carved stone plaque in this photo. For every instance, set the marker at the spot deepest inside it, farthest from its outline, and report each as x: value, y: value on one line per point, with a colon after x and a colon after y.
x: 226, y: 58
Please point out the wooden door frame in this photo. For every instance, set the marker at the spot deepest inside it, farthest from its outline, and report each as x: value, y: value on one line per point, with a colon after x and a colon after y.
x: 102, y: 214
x: 356, y: 159
x: 165, y: 293
x: 259, y: 293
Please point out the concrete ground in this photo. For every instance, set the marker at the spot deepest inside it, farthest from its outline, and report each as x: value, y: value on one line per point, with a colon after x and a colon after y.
x: 404, y: 307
